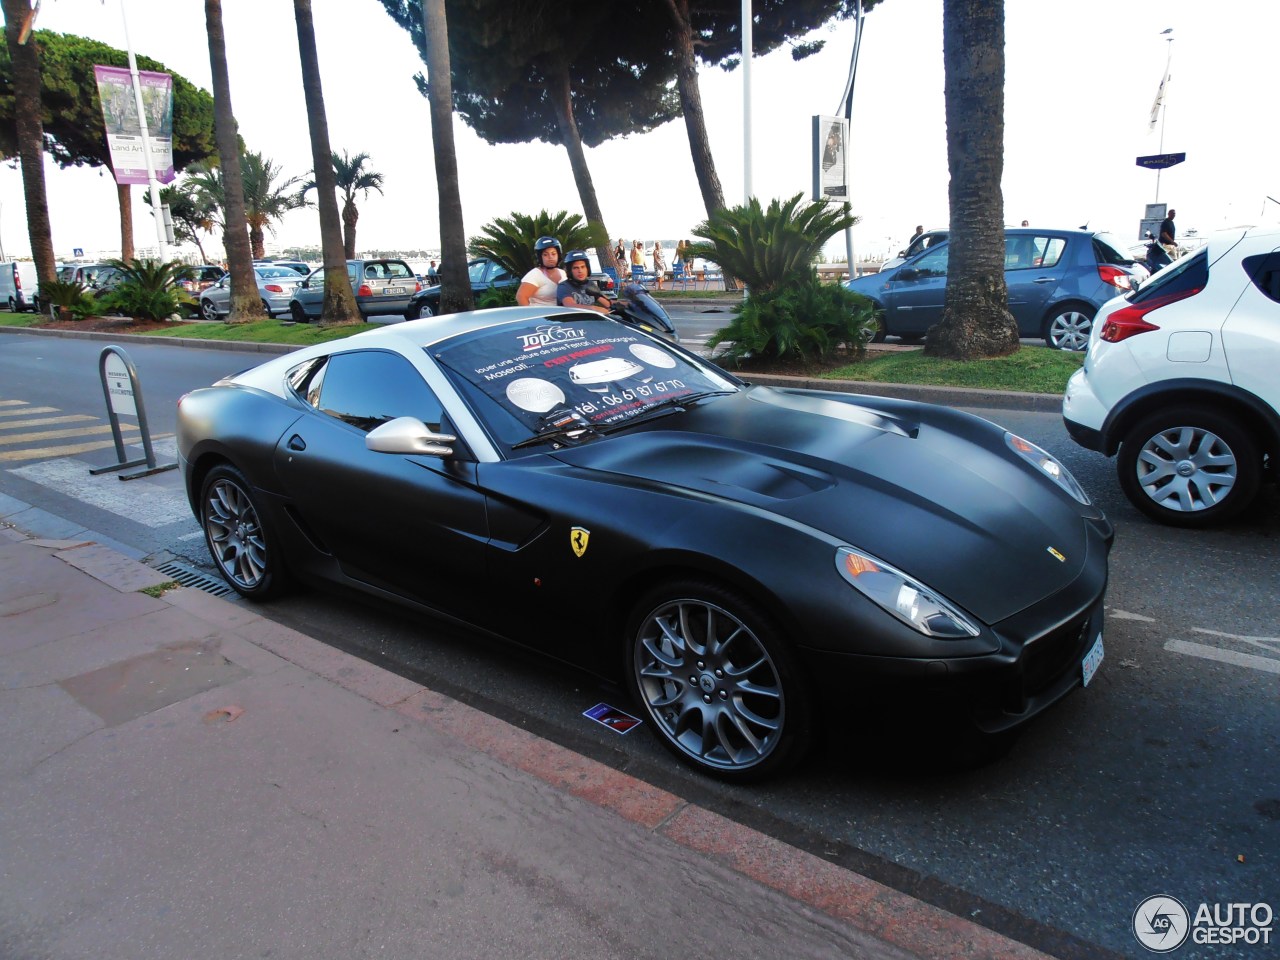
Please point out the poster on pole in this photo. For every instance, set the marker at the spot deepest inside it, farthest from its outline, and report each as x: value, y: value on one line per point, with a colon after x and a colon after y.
x: 830, y: 150
x: 124, y: 132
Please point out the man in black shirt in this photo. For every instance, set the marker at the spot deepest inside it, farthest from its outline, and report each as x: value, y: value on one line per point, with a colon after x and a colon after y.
x: 1168, y: 235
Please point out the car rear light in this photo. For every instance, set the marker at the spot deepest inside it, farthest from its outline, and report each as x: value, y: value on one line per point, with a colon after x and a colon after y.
x: 1116, y: 276
x: 274, y: 288
x: 364, y: 291
x: 417, y: 287
x: 1131, y: 320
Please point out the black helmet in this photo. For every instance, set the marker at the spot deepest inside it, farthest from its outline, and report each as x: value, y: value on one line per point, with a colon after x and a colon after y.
x: 542, y: 244
x: 573, y: 256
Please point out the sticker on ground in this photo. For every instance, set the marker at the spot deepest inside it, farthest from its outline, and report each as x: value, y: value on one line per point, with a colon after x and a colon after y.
x: 612, y: 717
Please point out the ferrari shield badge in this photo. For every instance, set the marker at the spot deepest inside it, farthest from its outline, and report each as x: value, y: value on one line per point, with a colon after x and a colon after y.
x: 578, y: 537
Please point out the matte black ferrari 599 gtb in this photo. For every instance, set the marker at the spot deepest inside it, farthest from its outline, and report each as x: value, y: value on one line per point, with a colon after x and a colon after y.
x: 750, y: 560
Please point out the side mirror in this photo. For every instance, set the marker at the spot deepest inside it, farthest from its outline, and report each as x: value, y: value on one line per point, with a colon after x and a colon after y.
x: 408, y: 435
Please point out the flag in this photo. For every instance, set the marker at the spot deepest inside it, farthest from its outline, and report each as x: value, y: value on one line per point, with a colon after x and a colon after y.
x: 1158, y: 102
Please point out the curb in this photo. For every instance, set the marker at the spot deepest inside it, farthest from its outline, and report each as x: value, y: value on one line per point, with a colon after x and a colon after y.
x: 944, y: 396
x: 888, y: 915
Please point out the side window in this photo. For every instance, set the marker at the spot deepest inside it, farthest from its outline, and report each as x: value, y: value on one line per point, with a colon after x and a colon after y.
x: 1052, y: 252
x: 1264, y: 271
x: 934, y: 263
x: 367, y: 388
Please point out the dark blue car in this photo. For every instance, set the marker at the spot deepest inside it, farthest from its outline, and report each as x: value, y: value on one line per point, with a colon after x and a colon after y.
x: 1057, y: 280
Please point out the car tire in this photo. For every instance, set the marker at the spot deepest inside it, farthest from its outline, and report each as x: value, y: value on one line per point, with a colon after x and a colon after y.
x: 238, y: 536
x: 1068, y: 327
x: 421, y: 312
x: 716, y: 681
x: 208, y: 311
x: 882, y: 328
x: 267, y: 310
x: 13, y: 305
x: 298, y: 314
x: 1189, y: 467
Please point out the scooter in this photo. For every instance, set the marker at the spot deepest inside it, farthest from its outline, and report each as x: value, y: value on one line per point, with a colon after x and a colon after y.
x: 1157, y: 257
x: 637, y: 308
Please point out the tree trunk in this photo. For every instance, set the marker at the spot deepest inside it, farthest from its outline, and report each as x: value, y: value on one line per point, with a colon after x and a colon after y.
x: 246, y: 305
x: 124, y: 194
x: 257, y: 242
x: 30, y: 132
x: 560, y: 94
x: 976, y: 321
x: 349, y: 217
x: 455, y: 284
x: 339, y: 299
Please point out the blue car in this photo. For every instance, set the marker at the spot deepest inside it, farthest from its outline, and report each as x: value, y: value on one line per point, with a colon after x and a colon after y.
x: 1057, y: 280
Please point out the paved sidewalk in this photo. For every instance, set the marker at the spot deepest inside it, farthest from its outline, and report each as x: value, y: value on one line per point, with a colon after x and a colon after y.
x: 184, y: 778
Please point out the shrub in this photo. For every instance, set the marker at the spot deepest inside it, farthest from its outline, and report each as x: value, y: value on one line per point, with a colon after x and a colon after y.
x: 72, y: 295
x: 510, y: 240
x: 496, y: 297
x: 149, y: 289
x: 802, y: 321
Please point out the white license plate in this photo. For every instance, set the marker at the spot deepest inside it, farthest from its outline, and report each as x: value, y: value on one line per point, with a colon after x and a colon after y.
x: 1092, y: 660
x: 388, y: 291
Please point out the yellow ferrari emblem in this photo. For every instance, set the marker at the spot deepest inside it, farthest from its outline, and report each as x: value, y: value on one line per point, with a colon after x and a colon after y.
x: 1059, y: 556
x: 578, y: 537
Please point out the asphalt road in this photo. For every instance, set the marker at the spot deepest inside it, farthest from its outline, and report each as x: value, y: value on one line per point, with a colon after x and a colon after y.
x: 1160, y: 778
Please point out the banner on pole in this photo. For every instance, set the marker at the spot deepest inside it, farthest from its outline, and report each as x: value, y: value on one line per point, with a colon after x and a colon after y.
x: 830, y: 151
x: 124, y: 132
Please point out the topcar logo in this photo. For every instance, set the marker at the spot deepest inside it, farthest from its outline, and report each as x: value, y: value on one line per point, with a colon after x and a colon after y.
x: 1161, y: 924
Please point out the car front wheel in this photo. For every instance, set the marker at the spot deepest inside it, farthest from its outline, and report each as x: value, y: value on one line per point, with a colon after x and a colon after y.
x: 237, y: 536
x: 1068, y: 327
x: 208, y: 311
x: 716, y: 682
x: 298, y: 314
x: 419, y: 312
x: 1189, y: 467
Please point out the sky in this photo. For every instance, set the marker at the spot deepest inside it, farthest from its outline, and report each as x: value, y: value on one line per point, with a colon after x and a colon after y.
x: 1079, y: 84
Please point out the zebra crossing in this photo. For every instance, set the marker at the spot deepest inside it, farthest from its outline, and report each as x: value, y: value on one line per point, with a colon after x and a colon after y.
x: 29, y: 432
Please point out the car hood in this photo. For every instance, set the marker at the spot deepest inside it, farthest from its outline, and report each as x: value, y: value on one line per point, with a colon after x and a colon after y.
x: 871, y: 285
x: 934, y: 492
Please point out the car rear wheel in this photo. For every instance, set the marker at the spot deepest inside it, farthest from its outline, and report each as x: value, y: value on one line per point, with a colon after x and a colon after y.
x: 237, y: 536
x: 207, y: 310
x: 420, y: 312
x: 1067, y: 328
x: 716, y: 682
x: 298, y: 314
x: 265, y: 308
x: 13, y: 305
x: 1189, y: 467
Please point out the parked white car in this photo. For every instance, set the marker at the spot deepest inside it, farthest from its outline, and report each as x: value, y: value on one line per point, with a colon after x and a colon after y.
x: 1180, y: 379
x: 18, y: 285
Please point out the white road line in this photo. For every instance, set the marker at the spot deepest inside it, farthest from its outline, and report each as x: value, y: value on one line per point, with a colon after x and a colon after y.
x: 1265, y: 664
x: 63, y: 450
x: 1125, y: 615
x: 139, y: 500
x: 41, y: 421
x: 58, y: 434
x: 23, y: 410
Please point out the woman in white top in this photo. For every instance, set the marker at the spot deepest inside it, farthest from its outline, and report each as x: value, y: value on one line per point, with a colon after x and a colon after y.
x: 538, y: 286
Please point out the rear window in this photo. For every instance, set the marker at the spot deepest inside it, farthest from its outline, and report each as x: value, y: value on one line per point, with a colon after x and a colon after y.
x: 1264, y: 272
x: 1107, y: 249
x: 1187, y: 275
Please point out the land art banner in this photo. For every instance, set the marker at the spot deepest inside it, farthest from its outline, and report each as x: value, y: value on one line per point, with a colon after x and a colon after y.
x: 124, y: 132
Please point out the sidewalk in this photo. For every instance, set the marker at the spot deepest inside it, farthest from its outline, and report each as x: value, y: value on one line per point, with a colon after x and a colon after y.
x: 184, y: 778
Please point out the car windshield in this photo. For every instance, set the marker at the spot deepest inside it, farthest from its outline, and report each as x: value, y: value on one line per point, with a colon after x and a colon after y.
x: 523, y: 376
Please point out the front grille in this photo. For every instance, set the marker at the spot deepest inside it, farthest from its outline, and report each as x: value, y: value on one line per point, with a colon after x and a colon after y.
x: 1046, y: 658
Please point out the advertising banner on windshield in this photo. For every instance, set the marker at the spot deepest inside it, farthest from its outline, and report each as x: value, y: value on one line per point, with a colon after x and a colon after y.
x: 124, y: 131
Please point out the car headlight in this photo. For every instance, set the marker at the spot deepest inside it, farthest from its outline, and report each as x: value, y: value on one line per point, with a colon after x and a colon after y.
x: 1047, y: 464
x: 906, y: 598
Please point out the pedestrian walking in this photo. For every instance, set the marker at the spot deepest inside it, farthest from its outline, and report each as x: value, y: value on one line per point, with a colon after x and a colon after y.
x: 659, y: 263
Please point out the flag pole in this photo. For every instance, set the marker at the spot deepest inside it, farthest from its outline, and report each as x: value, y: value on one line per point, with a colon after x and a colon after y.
x: 1164, y: 107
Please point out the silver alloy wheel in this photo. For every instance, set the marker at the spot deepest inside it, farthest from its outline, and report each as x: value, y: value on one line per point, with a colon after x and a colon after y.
x: 1069, y: 330
x: 1186, y: 469
x: 424, y: 311
x: 235, y: 535
x: 709, y: 684
x: 208, y: 311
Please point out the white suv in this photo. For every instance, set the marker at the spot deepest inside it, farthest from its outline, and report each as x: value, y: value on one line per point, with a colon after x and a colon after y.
x: 1181, y: 378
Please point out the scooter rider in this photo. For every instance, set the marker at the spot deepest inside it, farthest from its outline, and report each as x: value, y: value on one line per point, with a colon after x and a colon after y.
x: 538, y: 286
x: 577, y: 290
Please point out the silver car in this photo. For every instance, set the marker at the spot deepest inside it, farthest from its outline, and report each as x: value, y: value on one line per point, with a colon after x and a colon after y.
x: 275, y: 287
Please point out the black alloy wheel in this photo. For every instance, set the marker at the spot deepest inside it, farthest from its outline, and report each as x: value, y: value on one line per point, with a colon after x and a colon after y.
x: 716, y: 682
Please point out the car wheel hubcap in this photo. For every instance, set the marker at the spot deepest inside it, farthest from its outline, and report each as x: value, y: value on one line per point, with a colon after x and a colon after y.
x: 709, y: 684
x: 1071, y: 331
x: 235, y: 535
x: 1186, y: 469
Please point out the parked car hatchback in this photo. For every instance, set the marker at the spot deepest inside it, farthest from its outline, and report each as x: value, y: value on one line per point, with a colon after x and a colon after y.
x: 382, y: 288
x: 1056, y: 279
x: 1180, y: 380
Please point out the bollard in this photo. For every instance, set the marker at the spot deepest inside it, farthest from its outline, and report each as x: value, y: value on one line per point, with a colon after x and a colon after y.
x: 123, y: 394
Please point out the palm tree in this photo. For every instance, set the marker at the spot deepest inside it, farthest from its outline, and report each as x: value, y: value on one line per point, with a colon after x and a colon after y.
x: 265, y: 200
x: 246, y: 305
x: 976, y: 321
x: 455, y: 285
x: 352, y: 179
x: 24, y: 55
x: 339, y: 300
x: 510, y: 240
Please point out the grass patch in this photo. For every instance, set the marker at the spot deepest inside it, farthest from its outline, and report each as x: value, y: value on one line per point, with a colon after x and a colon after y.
x: 22, y: 319
x: 160, y: 589
x: 263, y: 331
x: 1030, y: 370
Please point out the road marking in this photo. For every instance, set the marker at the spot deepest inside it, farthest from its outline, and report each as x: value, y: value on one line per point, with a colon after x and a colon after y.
x: 58, y: 434
x: 25, y: 409
x: 139, y: 500
x: 42, y: 421
x: 1259, y: 642
x: 1125, y: 615
x: 46, y: 453
x: 1265, y: 664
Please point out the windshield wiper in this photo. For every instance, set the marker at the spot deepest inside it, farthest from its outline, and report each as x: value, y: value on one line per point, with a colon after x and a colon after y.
x: 559, y: 426
x: 664, y: 406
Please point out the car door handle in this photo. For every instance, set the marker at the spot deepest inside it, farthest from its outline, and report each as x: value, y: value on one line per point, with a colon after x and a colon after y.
x: 297, y: 443
x: 1045, y: 280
